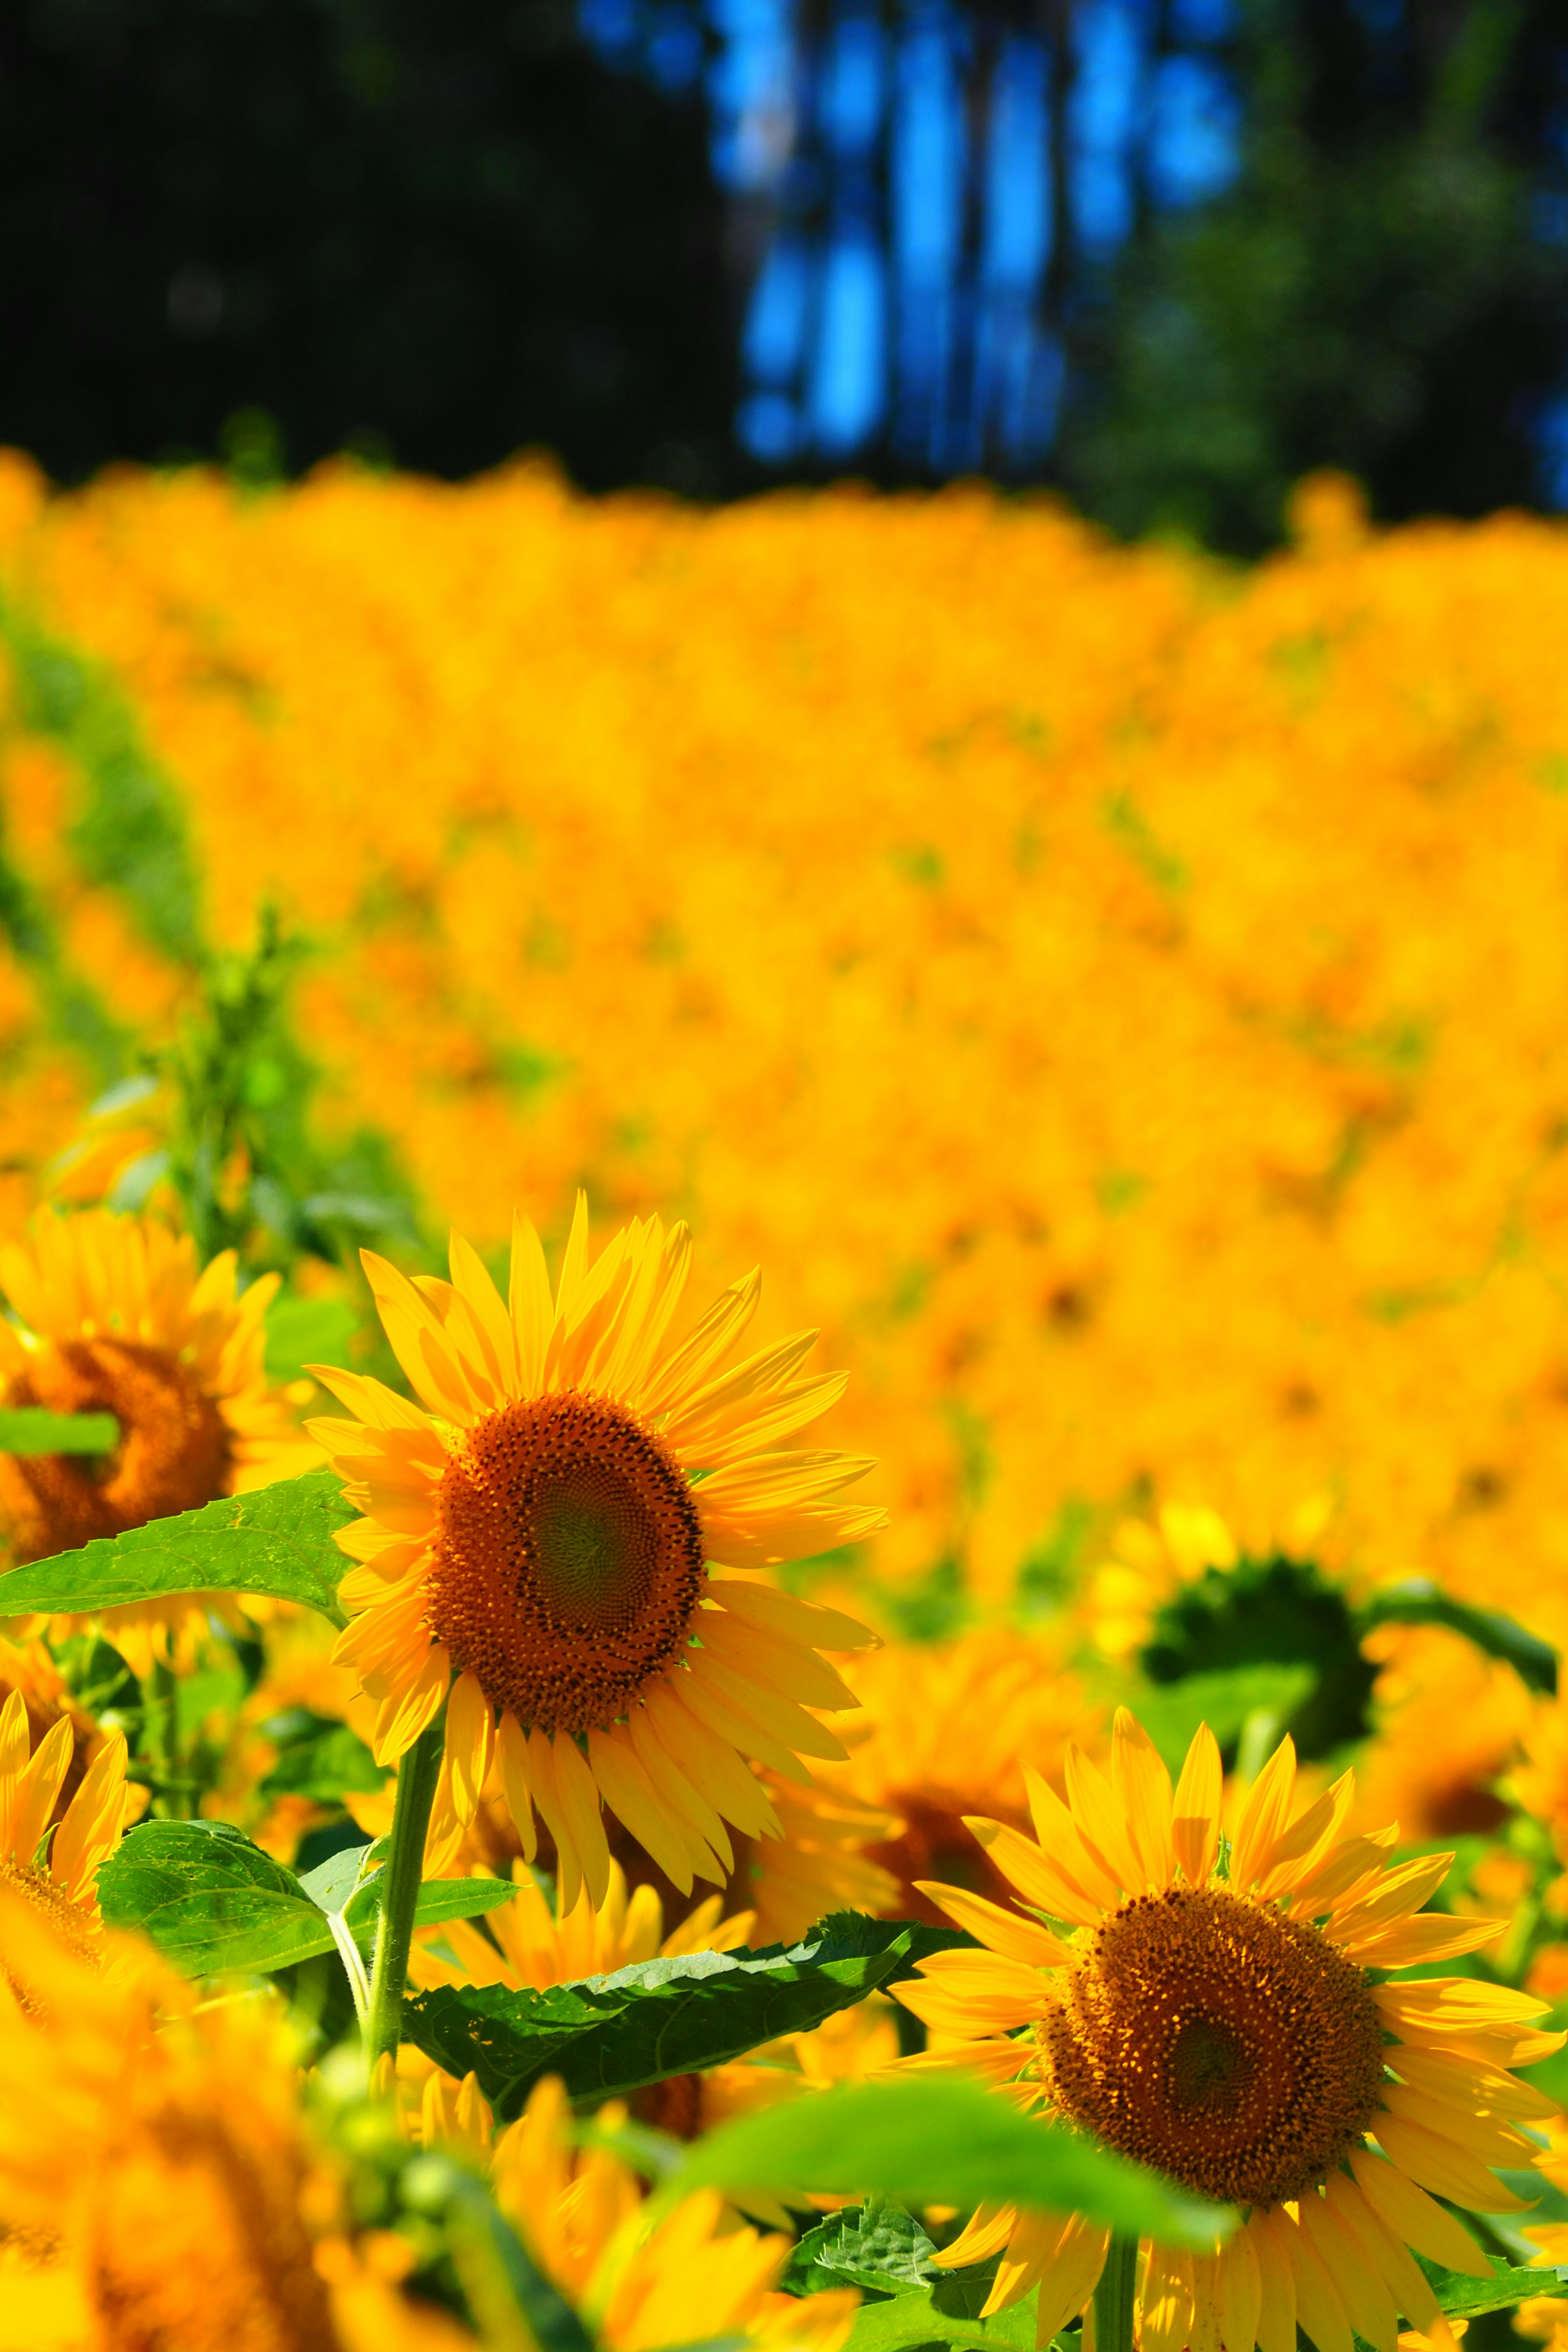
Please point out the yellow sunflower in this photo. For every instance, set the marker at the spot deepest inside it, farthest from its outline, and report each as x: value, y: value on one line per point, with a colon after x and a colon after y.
x: 56, y: 1875
x: 158, y: 2183
x: 532, y: 1943
x: 543, y: 1525
x: 950, y: 1723
x: 690, y: 2279
x: 1223, y: 2017
x: 114, y: 1316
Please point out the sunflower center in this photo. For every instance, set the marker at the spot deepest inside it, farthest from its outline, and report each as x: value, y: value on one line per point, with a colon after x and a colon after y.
x: 1232, y: 2048
x: 568, y: 1561
x: 174, y: 1449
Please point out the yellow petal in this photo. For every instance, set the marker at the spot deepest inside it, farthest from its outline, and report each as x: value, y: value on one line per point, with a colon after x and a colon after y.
x: 1194, y: 1828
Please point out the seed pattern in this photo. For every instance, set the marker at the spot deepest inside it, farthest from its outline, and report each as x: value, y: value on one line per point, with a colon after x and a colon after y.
x: 1229, y: 2046
x: 568, y: 1561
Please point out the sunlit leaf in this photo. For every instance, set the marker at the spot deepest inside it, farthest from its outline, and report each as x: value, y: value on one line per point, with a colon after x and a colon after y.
x: 939, y: 2139
x: 277, y: 1540
x: 613, y: 2034
x: 1465, y: 2298
x: 215, y: 1905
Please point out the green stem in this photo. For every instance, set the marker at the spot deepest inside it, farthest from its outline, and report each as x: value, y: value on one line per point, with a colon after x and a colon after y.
x: 400, y: 1882
x: 1115, y: 2295
x: 173, y: 1791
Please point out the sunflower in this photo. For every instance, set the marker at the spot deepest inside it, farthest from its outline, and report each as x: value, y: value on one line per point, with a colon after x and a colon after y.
x: 1223, y: 2017
x: 114, y: 1316
x: 821, y: 1860
x: 158, y: 2183
x: 543, y: 1526
x: 536, y: 1943
x: 690, y: 2279
x: 61, y: 1887
x: 949, y: 1724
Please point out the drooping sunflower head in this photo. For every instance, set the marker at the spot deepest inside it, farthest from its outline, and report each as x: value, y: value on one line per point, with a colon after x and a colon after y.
x: 1220, y: 2011
x: 114, y: 1316
x: 544, y: 1524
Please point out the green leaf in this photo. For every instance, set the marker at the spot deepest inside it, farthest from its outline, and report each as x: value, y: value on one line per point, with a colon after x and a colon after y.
x: 939, y: 2315
x: 1416, y: 1601
x: 1465, y: 2298
x: 320, y: 1758
x: 276, y: 1540
x: 27, y: 1429
x: 942, y: 2139
x: 211, y: 1901
x: 301, y: 1332
x: 1172, y: 1712
x: 877, y: 2246
x: 215, y: 1905
x: 611, y: 2035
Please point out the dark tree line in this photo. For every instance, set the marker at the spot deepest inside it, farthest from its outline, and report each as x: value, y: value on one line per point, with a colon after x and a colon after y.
x: 437, y: 230
x: 440, y: 231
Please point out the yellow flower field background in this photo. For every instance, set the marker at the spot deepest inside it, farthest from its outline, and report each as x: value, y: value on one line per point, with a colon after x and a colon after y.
x: 543, y: 1809
x: 1120, y: 1001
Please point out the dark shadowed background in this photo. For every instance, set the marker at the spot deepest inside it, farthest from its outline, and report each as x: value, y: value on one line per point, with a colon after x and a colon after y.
x: 1167, y: 255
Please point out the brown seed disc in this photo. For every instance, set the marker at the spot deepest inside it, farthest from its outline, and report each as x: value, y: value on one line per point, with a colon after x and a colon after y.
x: 1232, y: 2048
x: 174, y: 1449
x: 568, y: 1561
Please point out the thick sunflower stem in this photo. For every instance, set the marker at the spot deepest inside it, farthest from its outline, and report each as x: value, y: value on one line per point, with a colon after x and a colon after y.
x: 400, y: 1883
x: 1115, y: 2295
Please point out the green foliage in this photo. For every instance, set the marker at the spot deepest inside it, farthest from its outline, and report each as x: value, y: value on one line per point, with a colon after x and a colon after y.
x: 277, y: 1540
x: 1467, y: 2298
x: 215, y: 1905
x: 614, y: 2035
x: 28, y: 1430
x: 1416, y: 1601
x: 1276, y: 1612
x: 301, y: 1332
x: 1371, y: 294
x: 1232, y: 1641
x: 320, y: 1758
x: 242, y: 1151
x: 941, y: 2314
x: 129, y: 832
x: 877, y: 2246
x: 943, y: 2140
x: 1228, y: 1701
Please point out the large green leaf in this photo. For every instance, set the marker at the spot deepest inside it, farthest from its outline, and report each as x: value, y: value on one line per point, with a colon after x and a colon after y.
x: 943, y: 2140
x: 613, y: 2034
x: 214, y: 1904
x: 1465, y: 2298
x: 27, y: 1429
x: 277, y: 1540
x: 941, y: 2314
x: 1416, y: 1601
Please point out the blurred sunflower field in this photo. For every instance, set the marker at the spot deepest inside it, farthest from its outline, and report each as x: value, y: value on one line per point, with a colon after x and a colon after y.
x: 783, y: 1407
